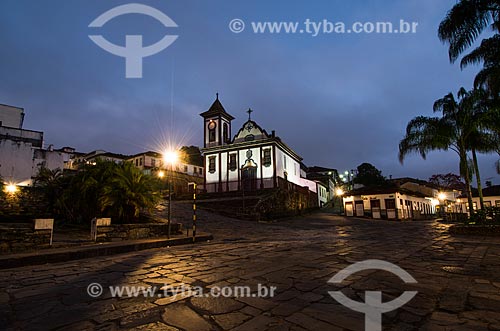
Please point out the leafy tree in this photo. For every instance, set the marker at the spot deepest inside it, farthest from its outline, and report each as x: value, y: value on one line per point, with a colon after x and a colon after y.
x: 448, y: 181
x: 128, y: 193
x: 50, y: 183
x: 368, y: 175
x: 192, y: 155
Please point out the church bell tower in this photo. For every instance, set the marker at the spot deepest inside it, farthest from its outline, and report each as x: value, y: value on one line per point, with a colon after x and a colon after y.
x: 217, y: 125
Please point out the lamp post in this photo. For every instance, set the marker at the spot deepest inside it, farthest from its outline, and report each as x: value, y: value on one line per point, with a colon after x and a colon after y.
x: 339, y: 192
x: 170, y: 157
x: 194, y: 209
x: 442, y: 204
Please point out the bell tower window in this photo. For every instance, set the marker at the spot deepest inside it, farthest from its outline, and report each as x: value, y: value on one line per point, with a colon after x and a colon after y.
x: 211, y: 131
x: 225, y: 133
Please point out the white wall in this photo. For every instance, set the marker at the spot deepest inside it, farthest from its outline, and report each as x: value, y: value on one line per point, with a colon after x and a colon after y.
x: 11, y: 116
x: 16, y: 161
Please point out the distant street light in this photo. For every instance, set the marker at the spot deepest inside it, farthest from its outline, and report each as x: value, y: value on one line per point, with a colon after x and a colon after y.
x: 11, y: 189
x: 442, y: 196
x: 170, y: 157
x: 161, y: 174
x: 339, y: 193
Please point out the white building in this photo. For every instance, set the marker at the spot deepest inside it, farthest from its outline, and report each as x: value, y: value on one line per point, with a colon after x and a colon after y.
x: 22, y: 151
x: 151, y: 161
x: 491, y: 198
x: 400, y: 199
x: 253, y: 159
x: 388, y: 203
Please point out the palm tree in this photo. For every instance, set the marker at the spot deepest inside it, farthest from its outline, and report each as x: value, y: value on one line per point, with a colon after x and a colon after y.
x: 462, y: 26
x: 129, y: 192
x: 454, y: 130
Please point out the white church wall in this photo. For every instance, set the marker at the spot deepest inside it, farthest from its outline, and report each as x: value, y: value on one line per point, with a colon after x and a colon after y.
x: 212, y: 177
x: 268, y: 171
x: 223, y: 169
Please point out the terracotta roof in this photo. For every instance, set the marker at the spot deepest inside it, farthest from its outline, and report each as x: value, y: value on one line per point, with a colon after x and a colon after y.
x: 403, y: 180
x: 492, y: 191
x: 383, y: 190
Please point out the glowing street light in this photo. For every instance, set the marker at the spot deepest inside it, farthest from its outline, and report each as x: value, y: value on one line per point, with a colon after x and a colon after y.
x: 161, y: 173
x: 171, y: 157
x: 442, y: 196
x: 11, y: 189
x: 339, y: 192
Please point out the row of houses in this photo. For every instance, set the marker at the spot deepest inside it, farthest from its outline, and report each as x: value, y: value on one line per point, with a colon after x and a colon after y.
x: 23, y: 153
x: 412, y: 199
x: 251, y: 160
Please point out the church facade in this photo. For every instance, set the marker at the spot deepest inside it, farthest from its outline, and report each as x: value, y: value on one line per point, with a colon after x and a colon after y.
x: 251, y: 160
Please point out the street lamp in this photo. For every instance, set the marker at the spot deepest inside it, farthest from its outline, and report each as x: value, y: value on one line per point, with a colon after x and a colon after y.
x: 170, y: 157
x: 339, y: 193
x: 11, y: 189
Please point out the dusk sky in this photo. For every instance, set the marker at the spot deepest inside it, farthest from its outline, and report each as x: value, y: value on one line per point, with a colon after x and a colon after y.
x: 337, y: 99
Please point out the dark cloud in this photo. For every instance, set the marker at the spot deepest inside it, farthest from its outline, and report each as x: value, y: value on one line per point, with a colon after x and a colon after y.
x: 339, y: 100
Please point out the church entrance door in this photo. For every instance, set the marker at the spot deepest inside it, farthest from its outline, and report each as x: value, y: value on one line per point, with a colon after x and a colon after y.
x: 249, y: 178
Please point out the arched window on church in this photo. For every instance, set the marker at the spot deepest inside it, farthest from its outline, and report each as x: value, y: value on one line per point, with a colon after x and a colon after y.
x: 225, y: 132
x: 211, y: 135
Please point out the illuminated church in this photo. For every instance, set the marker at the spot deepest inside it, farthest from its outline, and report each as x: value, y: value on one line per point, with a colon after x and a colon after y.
x: 251, y: 160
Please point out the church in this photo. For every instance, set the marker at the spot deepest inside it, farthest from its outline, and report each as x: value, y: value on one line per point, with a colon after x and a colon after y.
x: 251, y: 160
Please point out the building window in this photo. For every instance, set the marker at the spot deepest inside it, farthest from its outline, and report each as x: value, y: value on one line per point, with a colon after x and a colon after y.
x: 140, y: 161
x: 185, y: 168
x: 153, y: 163
x: 225, y: 132
x: 487, y: 204
x: 497, y: 203
x: 200, y: 171
x: 232, y: 162
x: 136, y: 162
x: 211, y: 164
x: 266, y: 162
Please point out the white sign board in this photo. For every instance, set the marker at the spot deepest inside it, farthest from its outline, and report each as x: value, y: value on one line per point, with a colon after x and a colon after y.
x: 96, y: 222
x: 45, y: 224
x: 103, y: 222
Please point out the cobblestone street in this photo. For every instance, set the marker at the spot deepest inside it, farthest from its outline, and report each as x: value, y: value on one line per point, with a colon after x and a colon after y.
x: 458, y: 280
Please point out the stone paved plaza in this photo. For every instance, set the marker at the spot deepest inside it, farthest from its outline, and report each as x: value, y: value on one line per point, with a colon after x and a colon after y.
x: 458, y: 280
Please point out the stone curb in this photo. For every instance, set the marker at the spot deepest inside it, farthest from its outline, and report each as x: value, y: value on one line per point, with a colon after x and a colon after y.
x: 84, y: 252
